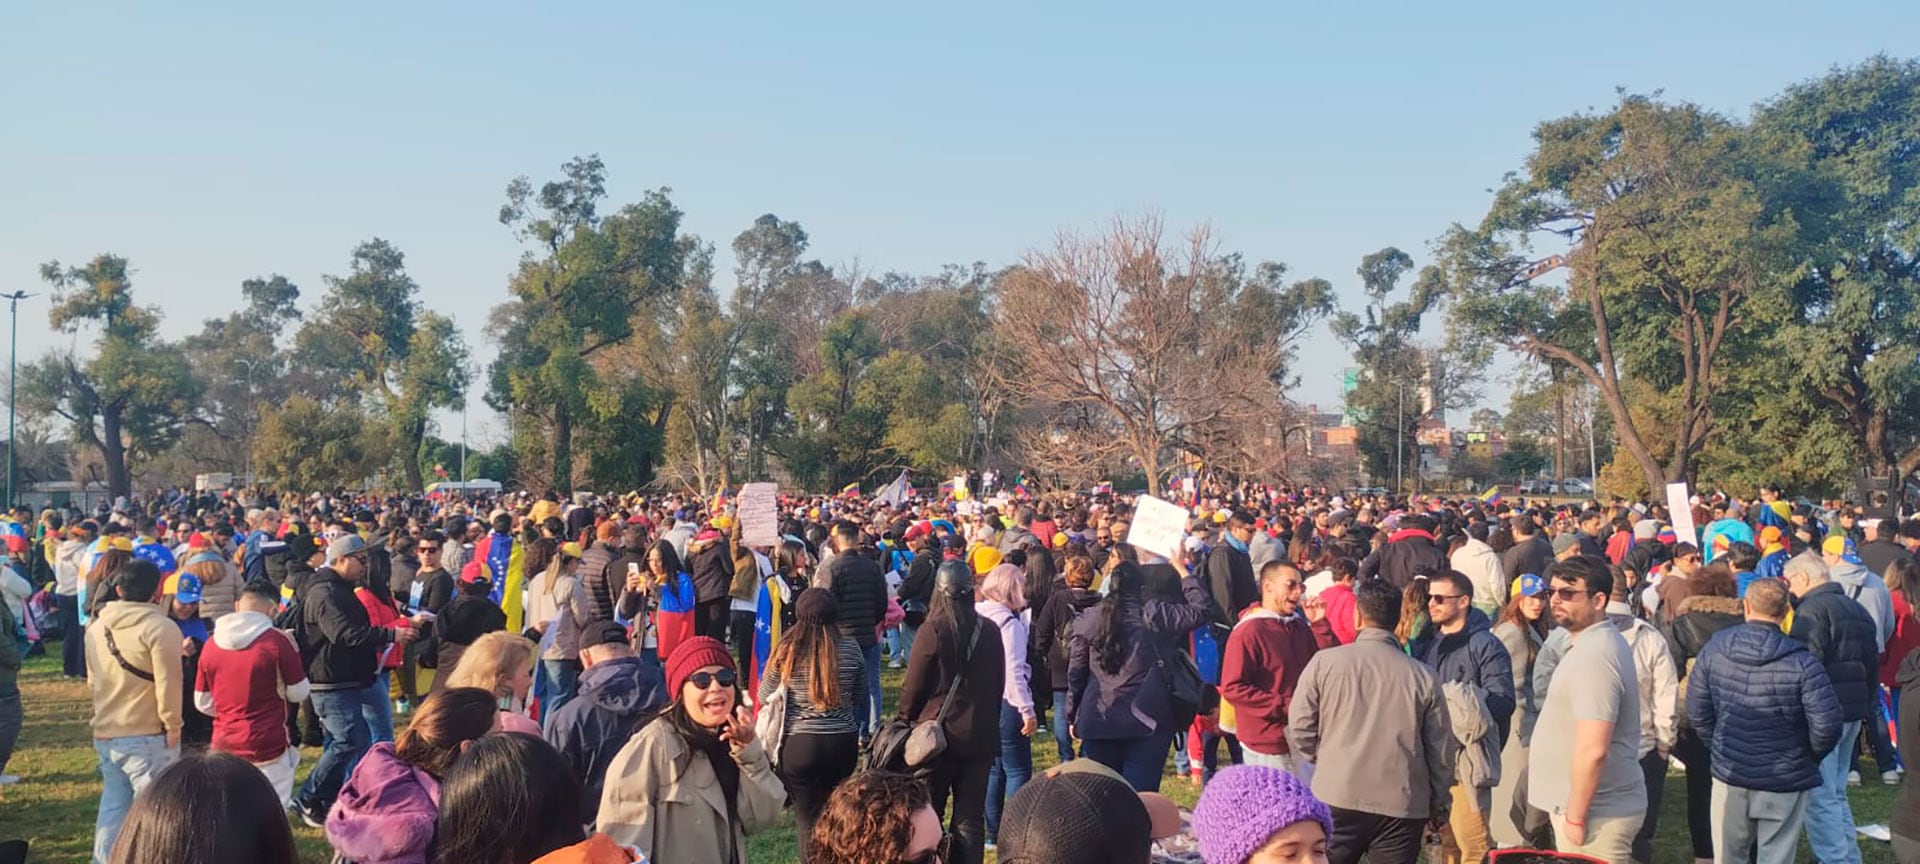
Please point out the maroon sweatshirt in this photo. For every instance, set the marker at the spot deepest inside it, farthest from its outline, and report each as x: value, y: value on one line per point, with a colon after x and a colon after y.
x: 1261, y: 663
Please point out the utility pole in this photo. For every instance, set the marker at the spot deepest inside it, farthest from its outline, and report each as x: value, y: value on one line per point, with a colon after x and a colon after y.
x: 1400, y: 442
x: 13, y: 372
x: 463, y: 441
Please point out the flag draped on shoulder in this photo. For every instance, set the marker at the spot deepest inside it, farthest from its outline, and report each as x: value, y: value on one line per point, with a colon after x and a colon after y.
x: 503, y: 559
x: 674, y: 618
x: 768, y: 610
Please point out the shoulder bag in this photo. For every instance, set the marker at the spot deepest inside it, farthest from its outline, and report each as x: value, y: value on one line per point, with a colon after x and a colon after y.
x: 903, y: 745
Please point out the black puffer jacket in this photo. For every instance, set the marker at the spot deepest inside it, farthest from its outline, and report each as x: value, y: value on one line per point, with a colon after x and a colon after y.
x: 1407, y: 551
x: 1842, y: 635
x: 1765, y: 708
x: 341, y: 647
x: 1052, y: 631
x: 856, y: 581
x: 603, y: 584
x: 712, y: 570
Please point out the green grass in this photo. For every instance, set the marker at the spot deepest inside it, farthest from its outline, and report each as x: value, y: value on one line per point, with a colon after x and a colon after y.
x: 53, y: 806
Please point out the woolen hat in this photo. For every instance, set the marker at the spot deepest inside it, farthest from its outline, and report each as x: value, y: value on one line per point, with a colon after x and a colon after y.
x: 1078, y: 818
x: 690, y: 656
x: 816, y: 606
x: 344, y: 546
x: 1563, y: 542
x: 1245, y: 805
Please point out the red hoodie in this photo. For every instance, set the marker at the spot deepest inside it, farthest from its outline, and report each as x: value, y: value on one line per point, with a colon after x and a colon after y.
x: 1259, y: 667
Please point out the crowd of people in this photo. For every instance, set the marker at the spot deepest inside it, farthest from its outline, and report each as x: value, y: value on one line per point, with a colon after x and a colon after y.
x: 628, y: 678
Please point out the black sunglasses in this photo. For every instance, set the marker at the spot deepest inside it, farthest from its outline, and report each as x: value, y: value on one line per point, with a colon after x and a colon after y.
x: 703, y: 680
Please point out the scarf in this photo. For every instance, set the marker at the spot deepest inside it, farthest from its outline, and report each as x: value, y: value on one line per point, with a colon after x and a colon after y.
x: 719, y: 754
x: 1235, y: 543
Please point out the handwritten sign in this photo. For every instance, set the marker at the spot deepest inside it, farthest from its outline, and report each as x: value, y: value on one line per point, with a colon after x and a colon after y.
x: 759, y: 508
x: 1681, y: 512
x: 1158, y: 526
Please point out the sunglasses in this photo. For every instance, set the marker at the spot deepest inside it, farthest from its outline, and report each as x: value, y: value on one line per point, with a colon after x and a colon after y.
x: 703, y: 680
x: 1568, y: 595
x: 424, y: 550
x: 1443, y: 598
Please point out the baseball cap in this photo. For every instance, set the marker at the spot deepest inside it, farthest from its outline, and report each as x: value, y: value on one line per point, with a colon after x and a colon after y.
x: 603, y: 633
x: 473, y: 572
x: 1529, y: 585
x: 344, y: 546
x: 186, y: 588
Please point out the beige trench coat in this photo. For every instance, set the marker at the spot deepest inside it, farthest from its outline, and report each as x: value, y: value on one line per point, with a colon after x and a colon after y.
x: 665, y: 800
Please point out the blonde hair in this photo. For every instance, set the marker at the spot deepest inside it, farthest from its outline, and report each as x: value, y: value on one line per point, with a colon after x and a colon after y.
x: 210, y: 569
x: 491, y: 661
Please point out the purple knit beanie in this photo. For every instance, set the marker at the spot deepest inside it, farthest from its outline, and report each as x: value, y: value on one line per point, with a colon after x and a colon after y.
x: 1245, y: 805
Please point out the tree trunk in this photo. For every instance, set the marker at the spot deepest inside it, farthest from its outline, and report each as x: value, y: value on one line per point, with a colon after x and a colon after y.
x: 413, y: 436
x: 113, y: 452
x: 562, y: 449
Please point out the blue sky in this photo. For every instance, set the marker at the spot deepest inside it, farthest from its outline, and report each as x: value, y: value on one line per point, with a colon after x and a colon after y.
x: 212, y: 142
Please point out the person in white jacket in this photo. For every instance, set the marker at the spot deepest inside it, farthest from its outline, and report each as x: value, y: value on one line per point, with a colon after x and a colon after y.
x: 1659, y: 711
x: 1482, y: 567
x: 68, y: 560
x: 1002, y: 594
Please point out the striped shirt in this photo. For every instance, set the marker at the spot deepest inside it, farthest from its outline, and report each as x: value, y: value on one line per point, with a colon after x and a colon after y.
x: 802, y: 717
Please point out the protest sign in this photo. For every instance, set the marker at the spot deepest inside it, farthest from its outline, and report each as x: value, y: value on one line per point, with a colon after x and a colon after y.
x: 759, y: 510
x: 1158, y: 526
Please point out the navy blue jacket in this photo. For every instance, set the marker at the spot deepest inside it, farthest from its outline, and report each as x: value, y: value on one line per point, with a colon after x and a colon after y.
x: 1765, y: 707
x: 1475, y: 656
x: 1132, y: 702
x: 615, y: 699
x: 1840, y: 633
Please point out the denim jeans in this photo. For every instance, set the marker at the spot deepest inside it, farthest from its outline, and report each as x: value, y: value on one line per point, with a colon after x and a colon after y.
x: 1829, y: 817
x: 1061, y: 739
x: 127, y: 766
x: 1011, y: 769
x: 563, y: 679
x: 344, y: 740
x: 1140, y: 760
x: 870, y: 718
x: 1877, y: 736
x: 907, y: 632
x: 377, y: 707
x: 894, y: 654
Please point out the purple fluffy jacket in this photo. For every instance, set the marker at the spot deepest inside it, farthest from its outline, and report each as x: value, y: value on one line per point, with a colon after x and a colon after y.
x: 386, y: 811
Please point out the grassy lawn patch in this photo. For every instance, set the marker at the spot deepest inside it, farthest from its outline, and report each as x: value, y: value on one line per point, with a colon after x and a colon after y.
x: 53, y: 806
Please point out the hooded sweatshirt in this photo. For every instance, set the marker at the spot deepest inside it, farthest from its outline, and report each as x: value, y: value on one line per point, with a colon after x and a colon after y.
x: 1013, y: 637
x: 248, y: 673
x: 1870, y: 592
x: 1264, y: 656
x: 386, y: 811
x: 126, y: 704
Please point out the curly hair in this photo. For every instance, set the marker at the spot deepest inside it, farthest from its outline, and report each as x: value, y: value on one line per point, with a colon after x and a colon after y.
x: 869, y: 818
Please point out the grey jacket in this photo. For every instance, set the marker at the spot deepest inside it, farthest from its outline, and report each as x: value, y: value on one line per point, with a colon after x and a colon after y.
x: 1374, y: 724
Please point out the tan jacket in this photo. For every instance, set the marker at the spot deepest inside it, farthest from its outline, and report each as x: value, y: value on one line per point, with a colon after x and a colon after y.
x: 124, y: 704
x: 665, y: 800
x: 1374, y: 724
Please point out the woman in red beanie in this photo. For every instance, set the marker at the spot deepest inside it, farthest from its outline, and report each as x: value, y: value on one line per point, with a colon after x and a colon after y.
x: 689, y: 786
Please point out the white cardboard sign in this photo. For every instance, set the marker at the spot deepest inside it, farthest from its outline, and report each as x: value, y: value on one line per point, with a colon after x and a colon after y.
x: 1158, y: 526
x: 759, y: 509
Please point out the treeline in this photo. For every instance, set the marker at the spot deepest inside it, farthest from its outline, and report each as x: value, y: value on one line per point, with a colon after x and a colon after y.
x: 1735, y: 299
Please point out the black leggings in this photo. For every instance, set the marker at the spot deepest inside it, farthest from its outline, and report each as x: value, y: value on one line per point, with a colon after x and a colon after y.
x: 812, y: 766
x: 1699, y: 761
x: 743, y: 633
x: 710, y: 618
x: 965, y: 781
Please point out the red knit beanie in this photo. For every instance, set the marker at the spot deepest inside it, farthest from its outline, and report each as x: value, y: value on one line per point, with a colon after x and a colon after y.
x: 690, y: 656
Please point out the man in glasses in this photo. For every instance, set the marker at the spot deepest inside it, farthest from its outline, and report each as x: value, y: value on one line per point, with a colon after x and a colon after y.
x: 1459, y: 645
x: 1584, y: 769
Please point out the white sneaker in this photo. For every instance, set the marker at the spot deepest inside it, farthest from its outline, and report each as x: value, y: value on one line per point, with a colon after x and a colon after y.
x: 1853, y: 778
x: 1890, y: 778
x: 8, y: 779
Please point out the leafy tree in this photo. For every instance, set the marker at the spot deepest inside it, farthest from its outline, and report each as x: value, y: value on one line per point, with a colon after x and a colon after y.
x: 1852, y: 140
x: 304, y: 444
x: 371, y: 332
x: 241, y: 367
x: 573, y: 296
x: 1674, y: 260
x: 133, y: 397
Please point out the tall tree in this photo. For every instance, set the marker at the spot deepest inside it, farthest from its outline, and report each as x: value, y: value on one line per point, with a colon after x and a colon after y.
x: 131, y: 399
x: 241, y: 365
x: 573, y: 296
x: 1673, y: 259
x: 1127, y: 345
x: 370, y: 330
x: 1852, y: 140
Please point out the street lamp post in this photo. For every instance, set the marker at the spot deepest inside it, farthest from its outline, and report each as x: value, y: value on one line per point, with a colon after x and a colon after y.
x: 13, y: 367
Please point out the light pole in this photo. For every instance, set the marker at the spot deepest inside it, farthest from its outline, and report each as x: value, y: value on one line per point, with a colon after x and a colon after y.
x: 1400, y: 442
x: 13, y: 367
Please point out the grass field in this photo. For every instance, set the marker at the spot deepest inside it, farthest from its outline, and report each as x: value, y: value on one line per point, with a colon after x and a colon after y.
x: 53, y: 805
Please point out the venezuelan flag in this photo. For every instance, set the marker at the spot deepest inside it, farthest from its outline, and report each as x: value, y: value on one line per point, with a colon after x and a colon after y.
x: 1491, y: 496
x: 504, y: 560
x: 851, y: 488
x: 673, y: 623
x: 768, y: 609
